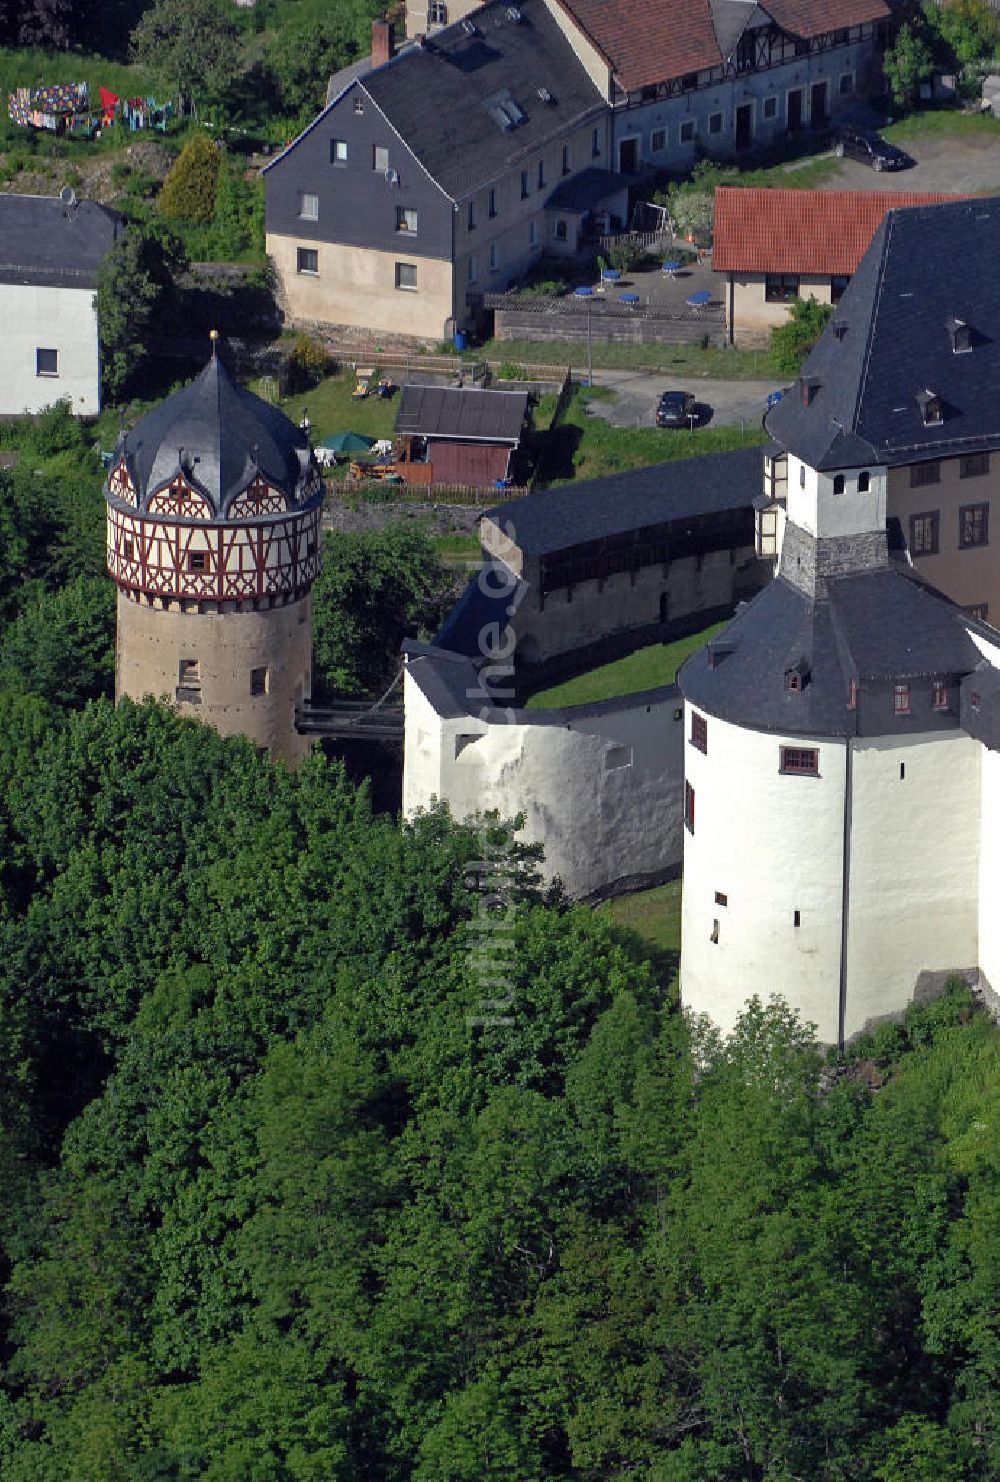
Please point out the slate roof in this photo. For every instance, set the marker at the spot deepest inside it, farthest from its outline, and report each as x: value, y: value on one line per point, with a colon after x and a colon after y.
x: 227, y: 435
x: 884, y: 626
x: 649, y: 41
x: 44, y: 242
x: 558, y: 519
x: 462, y: 412
x: 889, y: 340
x: 800, y: 231
x: 435, y: 96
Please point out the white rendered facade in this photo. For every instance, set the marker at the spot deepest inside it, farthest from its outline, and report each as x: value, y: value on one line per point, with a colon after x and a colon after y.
x: 840, y: 889
x: 588, y: 782
x: 41, y: 322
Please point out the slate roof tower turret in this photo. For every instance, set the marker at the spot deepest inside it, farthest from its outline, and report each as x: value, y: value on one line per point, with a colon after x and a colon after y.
x: 213, y: 540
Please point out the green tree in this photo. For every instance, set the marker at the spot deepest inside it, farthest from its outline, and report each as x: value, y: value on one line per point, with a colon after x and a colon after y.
x: 192, y: 46
x: 375, y: 588
x: 907, y: 63
x: 135, y: 283
x: 62, y: 646
x: 792, y: 341
x: 969, y: 29
x: 302, y: 56
x: 189, y: 190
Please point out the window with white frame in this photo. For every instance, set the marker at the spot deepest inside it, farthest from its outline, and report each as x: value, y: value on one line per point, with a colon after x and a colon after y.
x: 308, y: 206
x: 380, y: 158
x: 46, y: 362
x: 307, y: 260
x: 406, y: 219
x: 338, y: 151
x: 406, y: 275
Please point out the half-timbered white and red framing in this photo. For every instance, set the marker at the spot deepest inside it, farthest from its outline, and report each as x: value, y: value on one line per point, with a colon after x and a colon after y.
x: 176, y: 549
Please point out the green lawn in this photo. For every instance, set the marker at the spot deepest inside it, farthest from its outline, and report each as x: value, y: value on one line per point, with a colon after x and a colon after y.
x: 585, y: 447
x: 646, y: 669
x: 725, y: 363
x: 942, y: 122
x: 655, y: 918
x: 331, y: 409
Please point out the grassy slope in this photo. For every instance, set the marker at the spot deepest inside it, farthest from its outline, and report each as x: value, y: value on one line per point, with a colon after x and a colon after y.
x: 655, y: 918
x: 645, y: 669
x: 725, y: 364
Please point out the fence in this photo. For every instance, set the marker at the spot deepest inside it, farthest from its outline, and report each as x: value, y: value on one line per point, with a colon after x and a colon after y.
x: 376, y: 491
x: 643, y: 241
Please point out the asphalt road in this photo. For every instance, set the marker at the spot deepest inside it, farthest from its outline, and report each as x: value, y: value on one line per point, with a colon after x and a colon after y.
x: 721, y: 403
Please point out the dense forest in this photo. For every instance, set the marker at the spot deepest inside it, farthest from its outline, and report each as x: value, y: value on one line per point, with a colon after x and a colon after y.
x: 338, y: 1149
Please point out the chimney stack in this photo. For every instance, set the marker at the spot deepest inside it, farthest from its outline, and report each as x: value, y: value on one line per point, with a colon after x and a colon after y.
x: 383, y: 42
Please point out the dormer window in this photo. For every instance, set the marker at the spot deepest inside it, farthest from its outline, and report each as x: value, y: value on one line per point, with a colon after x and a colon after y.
x: 808, y: 386
x: 961, y: 335
x: 931, y: 410
x: 839, y: 332
x: 797, y: 677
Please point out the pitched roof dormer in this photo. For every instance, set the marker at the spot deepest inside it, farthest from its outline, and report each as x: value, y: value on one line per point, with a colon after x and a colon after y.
x: 960, y: 333
x: 931, y: 408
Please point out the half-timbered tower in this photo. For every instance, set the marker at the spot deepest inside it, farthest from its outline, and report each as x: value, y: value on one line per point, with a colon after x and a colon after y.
x: 214, y: 502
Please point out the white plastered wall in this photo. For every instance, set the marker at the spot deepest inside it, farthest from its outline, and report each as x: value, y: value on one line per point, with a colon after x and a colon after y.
x: 772, y: 845
x: 601, y: 793
x: 813, y: 506
x: 914, y: 868
x: 60, y: 319
x: 989, y: 875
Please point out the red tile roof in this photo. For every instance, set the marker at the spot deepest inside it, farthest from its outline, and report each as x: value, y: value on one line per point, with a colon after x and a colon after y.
x: 650, y: 41
x: 815, y: 17
x: 758, y: 230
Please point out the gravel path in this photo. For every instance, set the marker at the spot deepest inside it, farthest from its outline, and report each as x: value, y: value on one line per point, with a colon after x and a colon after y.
x: 722, y: 403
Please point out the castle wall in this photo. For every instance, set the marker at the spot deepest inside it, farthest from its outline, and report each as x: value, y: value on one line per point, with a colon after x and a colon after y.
x: 770, y: 844
x: 573, y: 617
x: 210, y: 663
x: 914, y: 867
x: 619, y: 822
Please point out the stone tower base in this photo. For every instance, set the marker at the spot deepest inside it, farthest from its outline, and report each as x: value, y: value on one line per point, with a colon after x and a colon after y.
x: 242, y: 672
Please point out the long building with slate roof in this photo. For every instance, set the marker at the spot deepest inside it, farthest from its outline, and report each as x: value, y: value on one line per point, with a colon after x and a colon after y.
x: 685, y: 78
x: 50, y: 254
x: 428, y: 178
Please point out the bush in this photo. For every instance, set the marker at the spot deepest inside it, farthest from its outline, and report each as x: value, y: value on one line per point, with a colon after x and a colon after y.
x: 624, y: 256
x: 188, y: 192
x: 308, y: 363
x: 792, y: 341
x: 511, y: 371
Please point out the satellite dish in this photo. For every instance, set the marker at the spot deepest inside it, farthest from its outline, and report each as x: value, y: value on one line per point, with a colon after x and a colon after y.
x: 68, y: 195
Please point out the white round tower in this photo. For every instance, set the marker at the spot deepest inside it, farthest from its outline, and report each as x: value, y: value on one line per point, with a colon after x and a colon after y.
x: 214, y: 504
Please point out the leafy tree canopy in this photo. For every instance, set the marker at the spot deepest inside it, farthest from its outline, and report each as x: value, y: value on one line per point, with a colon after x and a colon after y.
x: 792, y: 341
x: 192, y: 45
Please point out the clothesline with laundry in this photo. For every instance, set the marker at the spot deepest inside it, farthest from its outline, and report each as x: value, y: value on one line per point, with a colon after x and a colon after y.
x: 65, y: 108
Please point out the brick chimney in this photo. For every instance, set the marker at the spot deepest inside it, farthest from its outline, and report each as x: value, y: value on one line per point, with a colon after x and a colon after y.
x: 383, y: 42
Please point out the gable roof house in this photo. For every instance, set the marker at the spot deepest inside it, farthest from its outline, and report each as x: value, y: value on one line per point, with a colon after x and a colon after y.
x: 685, y: 77
x: 776, y: 246
x: 464, y: 434
x: 50, y: 253
x: 898, y: 400
x: 427, y: 179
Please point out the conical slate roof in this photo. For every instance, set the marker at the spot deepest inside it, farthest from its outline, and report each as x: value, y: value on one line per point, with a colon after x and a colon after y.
x: 221, y: 437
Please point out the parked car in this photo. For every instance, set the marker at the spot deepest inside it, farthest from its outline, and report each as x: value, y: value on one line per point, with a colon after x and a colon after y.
x: 870, y: 148
x: 675, y: 409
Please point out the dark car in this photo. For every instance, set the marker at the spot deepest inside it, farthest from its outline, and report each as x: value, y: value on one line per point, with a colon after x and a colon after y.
x: 870, y: 148
x: 676, y: 409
